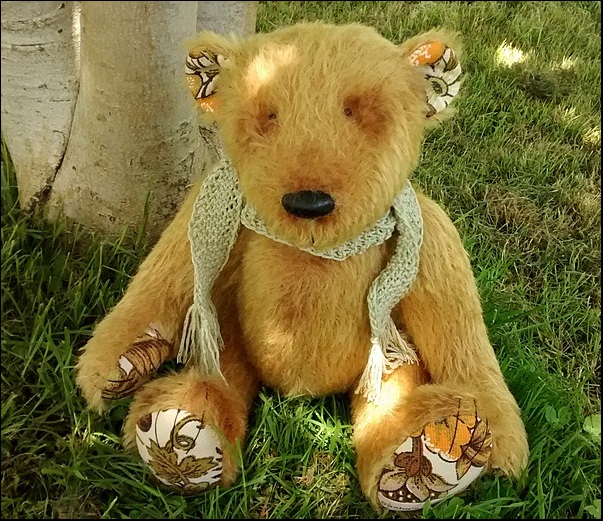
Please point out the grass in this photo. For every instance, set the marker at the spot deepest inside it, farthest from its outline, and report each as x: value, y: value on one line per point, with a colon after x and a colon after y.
x: 518, y: 169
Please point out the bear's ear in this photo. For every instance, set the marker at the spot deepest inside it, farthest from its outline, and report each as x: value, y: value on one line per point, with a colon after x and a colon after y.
x: 436, y: 54
x: 209, y: 53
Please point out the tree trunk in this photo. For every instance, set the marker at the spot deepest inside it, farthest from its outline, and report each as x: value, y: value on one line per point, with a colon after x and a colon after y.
x: 132, y: 148
x: 227, y: 18
x: 39, y: 89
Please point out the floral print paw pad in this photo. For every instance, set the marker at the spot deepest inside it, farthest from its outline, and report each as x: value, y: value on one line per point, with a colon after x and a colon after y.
x: 133, y: 368
x: 183, y: 453
x: 435, y: 463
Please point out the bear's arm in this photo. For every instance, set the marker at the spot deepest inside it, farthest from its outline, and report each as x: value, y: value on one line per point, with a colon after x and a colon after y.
x: 158, y: 296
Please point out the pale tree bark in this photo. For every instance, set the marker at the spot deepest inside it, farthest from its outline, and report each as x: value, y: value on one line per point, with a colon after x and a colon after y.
x: 133, y: 147
x: 39, y: 89
x: 134, y: 141
x: 227, y: 18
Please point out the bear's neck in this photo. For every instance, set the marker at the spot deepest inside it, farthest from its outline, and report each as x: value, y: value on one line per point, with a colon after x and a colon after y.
x: 377, y: 234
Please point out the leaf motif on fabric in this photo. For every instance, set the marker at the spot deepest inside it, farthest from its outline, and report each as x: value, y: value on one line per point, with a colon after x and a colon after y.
x: 448, y: 436
x: 427, y: 53
x: 163, y: 461
x: 412, y: 478
x: 477, y: 451
x: 452, y: 63
x: 202, y: 70
x: 145, y: 423
x: 143, y: 358
x: 194, y: 468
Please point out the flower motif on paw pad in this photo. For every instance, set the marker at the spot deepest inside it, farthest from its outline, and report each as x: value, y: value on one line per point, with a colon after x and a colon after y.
x: 411, y: 480
x: 462, y: 439
x: 436, y: 462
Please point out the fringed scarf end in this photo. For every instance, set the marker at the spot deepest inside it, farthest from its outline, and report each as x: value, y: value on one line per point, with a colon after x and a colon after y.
x: 370, y: 381
x: 397, y: 350
x: 201, y: 341
x: 387, y: 354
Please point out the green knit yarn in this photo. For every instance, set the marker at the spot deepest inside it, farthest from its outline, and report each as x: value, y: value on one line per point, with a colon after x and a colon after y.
x: 218, y: 212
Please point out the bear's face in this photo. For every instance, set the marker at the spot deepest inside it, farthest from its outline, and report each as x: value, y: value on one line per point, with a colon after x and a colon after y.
x: 323, y: 123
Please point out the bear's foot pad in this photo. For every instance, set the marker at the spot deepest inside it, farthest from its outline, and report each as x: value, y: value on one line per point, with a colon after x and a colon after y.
x: 182, y: 452
x: 435, y: 463
x: 140, y: 361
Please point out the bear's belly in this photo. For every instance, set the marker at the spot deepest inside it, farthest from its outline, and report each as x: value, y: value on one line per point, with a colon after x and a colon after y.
x: 305, y: 318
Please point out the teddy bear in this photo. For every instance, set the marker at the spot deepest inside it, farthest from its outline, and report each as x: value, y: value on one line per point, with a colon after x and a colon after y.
x: 306, y: 261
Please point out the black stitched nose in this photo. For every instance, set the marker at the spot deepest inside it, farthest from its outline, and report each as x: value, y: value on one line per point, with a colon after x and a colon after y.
x: 308, y: 204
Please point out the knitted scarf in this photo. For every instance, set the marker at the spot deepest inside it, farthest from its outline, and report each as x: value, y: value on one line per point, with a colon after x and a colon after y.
x: 218, y: 212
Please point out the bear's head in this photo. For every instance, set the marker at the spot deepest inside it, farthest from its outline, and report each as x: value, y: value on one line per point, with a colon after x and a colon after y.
x: 323, y: 123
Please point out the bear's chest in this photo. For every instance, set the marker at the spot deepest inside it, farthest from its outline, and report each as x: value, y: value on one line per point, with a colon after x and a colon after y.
x: 304, y: 318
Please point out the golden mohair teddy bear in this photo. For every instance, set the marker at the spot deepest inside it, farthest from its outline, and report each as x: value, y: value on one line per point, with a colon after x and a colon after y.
x: 306, y: 262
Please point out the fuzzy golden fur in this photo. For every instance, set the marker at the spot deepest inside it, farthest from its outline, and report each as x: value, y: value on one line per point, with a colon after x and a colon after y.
x: 297, y: 322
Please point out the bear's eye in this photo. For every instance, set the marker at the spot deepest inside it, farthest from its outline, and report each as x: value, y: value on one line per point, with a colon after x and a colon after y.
x: 352, y: 107
x: 266, y: 120
x: 367, y: 110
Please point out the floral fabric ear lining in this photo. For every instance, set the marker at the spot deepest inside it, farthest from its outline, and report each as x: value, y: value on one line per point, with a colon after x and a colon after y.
x: 442, y: 72
x: 202, y: 69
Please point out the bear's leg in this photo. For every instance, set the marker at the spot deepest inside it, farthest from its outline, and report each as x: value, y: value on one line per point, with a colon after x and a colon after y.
x: 406, y: 457
x: 442, y: 315
x: 187, y: 427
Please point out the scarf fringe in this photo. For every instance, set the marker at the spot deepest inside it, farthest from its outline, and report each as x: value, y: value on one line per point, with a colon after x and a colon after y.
x: 387, y: 353
x: 201, y: 339
x: 397, y: 350
x: 370, y: 381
